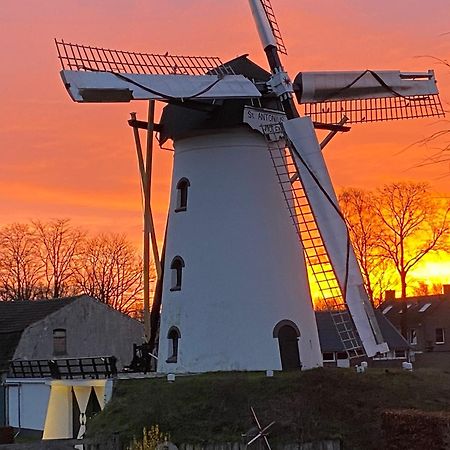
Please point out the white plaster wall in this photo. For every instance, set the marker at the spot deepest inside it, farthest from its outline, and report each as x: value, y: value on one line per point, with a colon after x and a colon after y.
x: 244, y: 270
x: 59, y: 419
x: 92, y: 329
x: 13, y: 406
x: 29, y: 399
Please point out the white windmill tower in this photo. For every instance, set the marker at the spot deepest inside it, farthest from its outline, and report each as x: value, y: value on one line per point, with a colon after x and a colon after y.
x: 235, y: 292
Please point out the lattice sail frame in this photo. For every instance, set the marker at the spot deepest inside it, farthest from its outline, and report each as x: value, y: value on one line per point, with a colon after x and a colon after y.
x: 374, y: 109
x: 320, y: 269
x: 87, y: 58
x: 268, y: 9
x: 368, y: 96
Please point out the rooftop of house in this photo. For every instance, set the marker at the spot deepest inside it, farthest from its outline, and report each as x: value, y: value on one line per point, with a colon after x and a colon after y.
x: 16, y: 316
x: 418, y: 306
x: 331, y: 342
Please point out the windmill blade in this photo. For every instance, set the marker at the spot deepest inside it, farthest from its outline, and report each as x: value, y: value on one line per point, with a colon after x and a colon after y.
x: 266, y: 23
x: 318, y: 262
x: 330, y: 248
x: 94, y: 74
x: 368, y: 96
x: 89, y: 58
x: 107, y: 87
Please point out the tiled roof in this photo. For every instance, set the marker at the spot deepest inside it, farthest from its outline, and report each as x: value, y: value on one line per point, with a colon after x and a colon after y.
x: 330, y: 341
x: 418, y: 307
x: 18, y: 315
x: 8, y: 344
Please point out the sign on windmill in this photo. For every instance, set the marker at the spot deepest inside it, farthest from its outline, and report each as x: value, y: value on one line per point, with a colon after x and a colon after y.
x: 250, y: 209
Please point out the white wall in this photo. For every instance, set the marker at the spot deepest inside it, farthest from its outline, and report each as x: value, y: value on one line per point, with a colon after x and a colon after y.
x: 244, y: 267
x: 27, y: 402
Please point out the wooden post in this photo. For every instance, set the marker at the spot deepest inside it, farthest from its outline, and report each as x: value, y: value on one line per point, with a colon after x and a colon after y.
x: 147, y: 193
x: 148, y: 172
x: 145, y: 169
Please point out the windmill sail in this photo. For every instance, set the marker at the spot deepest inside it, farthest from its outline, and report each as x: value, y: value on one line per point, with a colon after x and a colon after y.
x: 122, y: 87
x: 94, y: 74
x: 340, y: 264
x: 332, y: 263
x: 86, y: 57
x: 368, y: 96
x: 266, y: 22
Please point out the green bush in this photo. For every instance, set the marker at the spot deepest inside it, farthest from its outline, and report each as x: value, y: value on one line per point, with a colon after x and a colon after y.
x: 416, y: 430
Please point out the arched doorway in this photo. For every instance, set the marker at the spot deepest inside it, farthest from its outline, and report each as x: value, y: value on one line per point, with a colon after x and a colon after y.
x: 287, y: 334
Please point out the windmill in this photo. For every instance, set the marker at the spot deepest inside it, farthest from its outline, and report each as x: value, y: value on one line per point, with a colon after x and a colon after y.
x: 234, y: 272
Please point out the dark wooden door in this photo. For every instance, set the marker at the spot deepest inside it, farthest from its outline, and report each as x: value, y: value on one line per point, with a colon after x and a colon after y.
x: 75, y: 416
x: 288, y: 342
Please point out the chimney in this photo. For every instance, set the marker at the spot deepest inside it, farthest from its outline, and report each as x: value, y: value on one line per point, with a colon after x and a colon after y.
x: 389, y: 294
x: 446, y: 289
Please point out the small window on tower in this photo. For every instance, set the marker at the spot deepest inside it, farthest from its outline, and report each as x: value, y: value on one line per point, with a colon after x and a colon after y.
x: 173, y: 336
x: 177, y: 273
x: 182, y: 194
x: 59, y: 342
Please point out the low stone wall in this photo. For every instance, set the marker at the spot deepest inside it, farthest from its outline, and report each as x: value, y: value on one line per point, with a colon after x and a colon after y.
x: 60, y: 444
x: 65, y: 444
x: 320, y: 445
x: 113, y: 444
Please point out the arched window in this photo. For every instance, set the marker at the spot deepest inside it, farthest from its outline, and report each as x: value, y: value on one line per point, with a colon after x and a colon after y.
x: 173, y: 336
x: 182, y: 194
x: 177, y: 273
x: 59, y: 342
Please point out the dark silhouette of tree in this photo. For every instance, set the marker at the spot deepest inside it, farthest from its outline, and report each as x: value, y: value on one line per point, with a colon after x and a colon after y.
x: 439, y: 141
x: 60, y: 246
x: 412, y: 225
x: 364, y: 228
x: 110, y: 271
x: 20, y: 267
x: 423, y: 288
x: 55, y: 259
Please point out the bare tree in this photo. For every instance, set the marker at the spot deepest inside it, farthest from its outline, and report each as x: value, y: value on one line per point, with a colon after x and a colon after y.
x: 439, y: 141
x: 111, y: 271
x: 364, y: 228
x: 59, y: 249
x: 423, y: 288
x: 413, y: 225
x: 20, y: 267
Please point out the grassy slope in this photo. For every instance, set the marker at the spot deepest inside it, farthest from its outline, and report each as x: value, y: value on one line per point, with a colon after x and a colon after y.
x: 315, y: 404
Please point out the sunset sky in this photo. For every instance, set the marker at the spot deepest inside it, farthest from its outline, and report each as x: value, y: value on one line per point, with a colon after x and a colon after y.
x: 61, y: 159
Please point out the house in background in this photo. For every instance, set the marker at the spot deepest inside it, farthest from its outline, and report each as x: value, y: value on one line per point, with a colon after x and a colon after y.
x: 32, y: 333
x: 333, y: 351
x: 428, y: 325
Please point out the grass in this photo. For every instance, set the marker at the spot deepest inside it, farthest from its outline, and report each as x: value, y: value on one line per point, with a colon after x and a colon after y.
x: 311, y: 405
